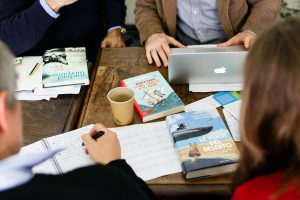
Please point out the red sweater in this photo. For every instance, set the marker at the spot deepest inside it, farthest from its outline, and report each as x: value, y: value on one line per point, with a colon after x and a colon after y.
x: 265, y: 188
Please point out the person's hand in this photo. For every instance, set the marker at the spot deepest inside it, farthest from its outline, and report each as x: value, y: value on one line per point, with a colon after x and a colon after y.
x: 157, y: 48
x: 105, y: 149
x: 113, y: 39
x: 244, y: 38
x: 55, y: 5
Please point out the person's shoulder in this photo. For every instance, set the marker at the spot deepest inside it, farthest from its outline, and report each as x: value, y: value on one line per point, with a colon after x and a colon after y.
x: 262, y: 187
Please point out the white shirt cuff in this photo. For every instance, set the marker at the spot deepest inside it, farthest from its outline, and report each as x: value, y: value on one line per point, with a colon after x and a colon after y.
x: 48, y: 9
x: 113, y: 28
x: 249, y: 31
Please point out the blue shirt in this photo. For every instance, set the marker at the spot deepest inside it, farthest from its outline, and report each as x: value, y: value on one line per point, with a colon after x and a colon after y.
x: 17, y: 169
x: 198, y: 22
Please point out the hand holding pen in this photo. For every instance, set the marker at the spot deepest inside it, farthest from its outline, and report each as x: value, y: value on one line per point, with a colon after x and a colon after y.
x: 103, y: 147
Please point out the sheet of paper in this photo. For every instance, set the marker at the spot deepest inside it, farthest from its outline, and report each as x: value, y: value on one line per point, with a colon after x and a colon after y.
x: 233, y: 125
x: 234, y: 108
x: 73, y: 156
x: 30, y: 96
x: 215, y: 87
x: 24, y: 80
x: 73, y: 89
x: 293, y: 4
x: 206, y: 103
x: 46, y: 167
x: 148, y: 149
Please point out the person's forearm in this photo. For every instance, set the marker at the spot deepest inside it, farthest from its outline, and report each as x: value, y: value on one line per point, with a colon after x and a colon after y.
x: 147, y: 19
x: 114, y: 13
x: 23, y: 29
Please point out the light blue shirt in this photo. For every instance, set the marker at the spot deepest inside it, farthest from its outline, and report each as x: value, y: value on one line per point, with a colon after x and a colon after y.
x: 48, y: 9
x: 56, y: 15
x: 198, y: 22
x: 17, y: 169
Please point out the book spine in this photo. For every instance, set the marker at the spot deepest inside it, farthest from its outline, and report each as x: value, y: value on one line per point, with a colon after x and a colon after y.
x: 53, y: 159
x: 137, y: 108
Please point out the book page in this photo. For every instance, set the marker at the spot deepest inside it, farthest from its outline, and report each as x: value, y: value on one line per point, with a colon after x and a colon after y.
x: 73, y: 156
x: 233, y: 125
x: 46, y: 167
x: 148, y: 149
x: 234, y: 108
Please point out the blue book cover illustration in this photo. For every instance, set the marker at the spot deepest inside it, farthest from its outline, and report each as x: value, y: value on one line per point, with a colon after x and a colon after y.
x: 65, y: 66
x: 202, y: 140
x: 154, y: 97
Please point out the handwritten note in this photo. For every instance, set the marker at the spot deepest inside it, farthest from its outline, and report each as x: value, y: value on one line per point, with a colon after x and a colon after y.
x: 148, y: 149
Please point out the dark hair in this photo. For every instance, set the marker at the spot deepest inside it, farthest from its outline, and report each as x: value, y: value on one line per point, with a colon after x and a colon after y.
x: 270, y: 112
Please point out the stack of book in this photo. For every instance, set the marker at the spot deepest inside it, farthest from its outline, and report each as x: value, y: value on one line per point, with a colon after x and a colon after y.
x: 58, y: 71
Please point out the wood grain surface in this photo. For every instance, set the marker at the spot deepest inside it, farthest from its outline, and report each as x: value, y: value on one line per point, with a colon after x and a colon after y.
x: 118, y: 64
x: 47, y: 118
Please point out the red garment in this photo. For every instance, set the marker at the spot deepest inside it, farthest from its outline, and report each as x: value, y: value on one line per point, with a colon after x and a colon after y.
x: 266, y: 188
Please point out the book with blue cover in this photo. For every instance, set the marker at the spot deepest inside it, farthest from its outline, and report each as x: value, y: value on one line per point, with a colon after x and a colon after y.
x: 65, y: 66
x: 154, y: 97
x: 203, y: 143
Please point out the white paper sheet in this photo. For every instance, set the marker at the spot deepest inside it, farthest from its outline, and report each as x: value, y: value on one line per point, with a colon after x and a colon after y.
x: 233, y: 125
x: 43, y: 168
x: 206, y: 103
x: 148, y: 149
x: 215, y: 87
x: 30, y: 96
x: 234, y: 108
x: 24, y: 81
x: 73, y: 156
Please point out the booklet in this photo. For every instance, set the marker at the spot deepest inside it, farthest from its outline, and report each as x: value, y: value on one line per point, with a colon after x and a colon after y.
x: 65, y: 66
x: 154, y: 97
x: 203, y: 144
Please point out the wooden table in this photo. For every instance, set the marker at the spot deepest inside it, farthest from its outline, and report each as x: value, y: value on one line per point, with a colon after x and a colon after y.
x: 118, y: 64
x: 47, y: 118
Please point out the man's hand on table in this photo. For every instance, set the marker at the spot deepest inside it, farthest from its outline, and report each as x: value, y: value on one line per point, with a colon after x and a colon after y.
x: 244, y: 38
x: 157, y: 48
x: 113, y: 39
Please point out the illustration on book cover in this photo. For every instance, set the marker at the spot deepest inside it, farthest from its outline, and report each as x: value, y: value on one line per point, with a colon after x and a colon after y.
x: 202, y: 139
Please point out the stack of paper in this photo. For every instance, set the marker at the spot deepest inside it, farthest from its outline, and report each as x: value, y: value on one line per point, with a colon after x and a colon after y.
x: 29, y: 81
x: 215, y: 87
x: 231, y: 108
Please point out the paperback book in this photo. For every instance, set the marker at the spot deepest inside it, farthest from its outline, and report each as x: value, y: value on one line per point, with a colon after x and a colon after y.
x: 203, y: 144
x: 154, y: 97
x: 65, y: 66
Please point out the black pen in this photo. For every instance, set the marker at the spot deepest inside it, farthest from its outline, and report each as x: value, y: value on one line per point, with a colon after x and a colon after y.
x: 96, y: 136
x: 33, y: 70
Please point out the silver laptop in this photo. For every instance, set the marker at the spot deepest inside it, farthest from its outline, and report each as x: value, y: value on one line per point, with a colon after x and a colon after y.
x: 206, y: 64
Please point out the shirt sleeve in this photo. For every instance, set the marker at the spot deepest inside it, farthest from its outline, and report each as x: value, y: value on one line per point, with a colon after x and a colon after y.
x: 48, y: 9
x: 23, y: 26
x: 114, y: 13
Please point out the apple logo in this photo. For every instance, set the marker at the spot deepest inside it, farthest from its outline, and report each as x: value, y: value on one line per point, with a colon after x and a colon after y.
x: 221, y: 70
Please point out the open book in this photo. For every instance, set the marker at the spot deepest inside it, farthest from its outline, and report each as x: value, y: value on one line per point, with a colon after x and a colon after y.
x: 150, y: 149
x: 147, y: 148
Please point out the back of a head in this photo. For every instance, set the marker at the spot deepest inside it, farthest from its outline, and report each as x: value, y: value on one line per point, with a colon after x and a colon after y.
x: 270, y: 114
x: 7, y: 72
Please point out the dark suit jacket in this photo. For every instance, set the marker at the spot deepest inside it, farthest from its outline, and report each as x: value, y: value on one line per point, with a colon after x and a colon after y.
x: 159, y: 16
x: 114, y: 181
x: 29, y: 30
